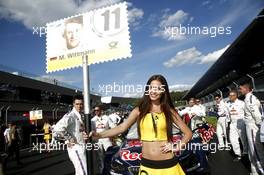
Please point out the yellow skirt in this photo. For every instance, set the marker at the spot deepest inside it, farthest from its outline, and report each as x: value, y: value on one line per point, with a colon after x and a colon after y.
x: 162, y: 167
x: 47, y: 136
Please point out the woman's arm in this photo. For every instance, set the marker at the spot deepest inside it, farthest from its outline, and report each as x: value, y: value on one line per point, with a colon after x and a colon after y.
x: 132, y: 118
x: 187, y: 133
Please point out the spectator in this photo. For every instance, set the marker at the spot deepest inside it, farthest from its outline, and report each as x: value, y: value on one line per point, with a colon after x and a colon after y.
x: 100, y: 123
x: 47, y: 135
x: 12, y: 137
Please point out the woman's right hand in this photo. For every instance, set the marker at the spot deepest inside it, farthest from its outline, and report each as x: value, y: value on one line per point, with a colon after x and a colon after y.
x: 70, y: 143
x: 94, y: 135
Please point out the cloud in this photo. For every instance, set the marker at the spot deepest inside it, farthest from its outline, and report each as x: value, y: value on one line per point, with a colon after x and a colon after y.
x: 192, y: 55
x: 206, y: 2
x: 175, y: 19
x: 134, y: 16
x: 213, y: 56
x: 38, y: 13
x: 171, y: 20
x: 183, y: 57
x: 180, y: 87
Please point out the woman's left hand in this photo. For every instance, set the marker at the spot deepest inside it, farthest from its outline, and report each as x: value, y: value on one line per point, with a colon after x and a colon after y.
x: 168, y: 147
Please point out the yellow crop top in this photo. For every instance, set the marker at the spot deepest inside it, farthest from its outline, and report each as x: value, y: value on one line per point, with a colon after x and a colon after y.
x: 46, y: 128
x: 147, y: 130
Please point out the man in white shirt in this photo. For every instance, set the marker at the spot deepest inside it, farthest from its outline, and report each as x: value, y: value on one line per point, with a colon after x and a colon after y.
x: 236, y: 109
x: 101, y: 123
x: 12, y: 140
x: 114, y: 119
x: 202, y: 108
x: 253, y: 119
x: 222, y: 112
x: 71, y: 128
x: 198, y: 113
x: 188, y: 109
x: 7, y: 135
x: 187, y: 112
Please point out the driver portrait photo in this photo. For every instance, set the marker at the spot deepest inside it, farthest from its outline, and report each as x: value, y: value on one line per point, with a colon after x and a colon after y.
x: 72, y: 33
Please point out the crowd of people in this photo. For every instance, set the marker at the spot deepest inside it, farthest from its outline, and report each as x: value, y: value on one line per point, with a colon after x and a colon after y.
x: 71, y: 128
x: 194, y: 113
x: 244, y: 120
x: 237, y: 122
x: 13, y: 139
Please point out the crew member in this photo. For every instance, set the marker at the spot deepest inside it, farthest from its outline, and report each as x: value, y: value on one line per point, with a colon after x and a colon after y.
x: 237, y: 131
x: 253, y: 119
x: 100, y: 123
x: 222, y: 112
x: 71, y: 129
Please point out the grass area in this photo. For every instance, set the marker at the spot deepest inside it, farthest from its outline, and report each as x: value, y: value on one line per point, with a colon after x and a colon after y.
x: 211, y: 120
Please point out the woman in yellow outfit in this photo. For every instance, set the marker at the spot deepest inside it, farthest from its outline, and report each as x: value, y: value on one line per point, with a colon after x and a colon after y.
x: 47, y: 134
x: 155, y: 116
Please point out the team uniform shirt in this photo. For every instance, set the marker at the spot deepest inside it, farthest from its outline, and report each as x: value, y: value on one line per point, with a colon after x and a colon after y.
x: 202, y: 110
x: 100, y: 124
x: 253, y: 109
x: 236, y: 110
x: 114, y: 119
x: 187, y: 110
x: 237, y: 126
x: 198, y: 110
x: 262, y: 132
x: 253, y: 119
x: 222, y: 109
x: 70, y: 126
x: 222, y: 112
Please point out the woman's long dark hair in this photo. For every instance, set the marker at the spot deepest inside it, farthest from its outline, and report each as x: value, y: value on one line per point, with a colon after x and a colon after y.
x: 165, y: 102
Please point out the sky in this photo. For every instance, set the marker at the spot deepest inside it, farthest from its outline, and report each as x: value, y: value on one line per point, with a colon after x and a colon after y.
x: 156, y: 48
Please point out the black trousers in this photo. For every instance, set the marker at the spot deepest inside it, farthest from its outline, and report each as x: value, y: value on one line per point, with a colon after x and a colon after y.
x: 11, y: 150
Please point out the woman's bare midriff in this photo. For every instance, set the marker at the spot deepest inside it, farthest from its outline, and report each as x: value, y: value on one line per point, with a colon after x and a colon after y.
x: 152, y: 150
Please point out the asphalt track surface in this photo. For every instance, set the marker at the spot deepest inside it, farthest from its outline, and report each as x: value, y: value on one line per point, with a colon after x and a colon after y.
x: 220, y: 163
